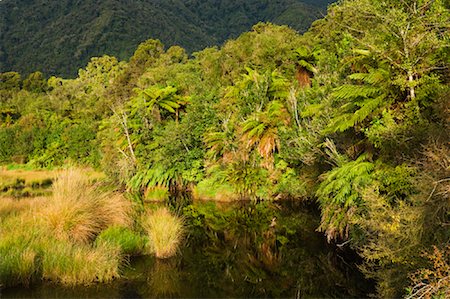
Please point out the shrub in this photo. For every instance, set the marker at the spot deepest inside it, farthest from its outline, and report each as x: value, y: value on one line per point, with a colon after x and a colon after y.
x: 432, y: 282
x: 165, y: 232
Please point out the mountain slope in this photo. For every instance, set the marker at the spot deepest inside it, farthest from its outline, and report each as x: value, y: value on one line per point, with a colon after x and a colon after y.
x: 59, y: 37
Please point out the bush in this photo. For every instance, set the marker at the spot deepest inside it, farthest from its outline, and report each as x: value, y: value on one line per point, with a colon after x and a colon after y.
x: 165, y: 232
x: 432, y: 282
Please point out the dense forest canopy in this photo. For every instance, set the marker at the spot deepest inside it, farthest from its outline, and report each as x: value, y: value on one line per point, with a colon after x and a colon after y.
x: 59, y: 37
x: 352, y: 115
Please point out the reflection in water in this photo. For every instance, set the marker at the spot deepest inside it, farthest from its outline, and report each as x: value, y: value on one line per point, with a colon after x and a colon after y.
x: 240, y: 250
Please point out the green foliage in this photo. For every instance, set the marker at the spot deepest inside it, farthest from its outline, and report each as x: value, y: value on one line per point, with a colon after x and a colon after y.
x: 340, y: 197
x: 118, y: 28
x: 254, y: 119
x: 361, y: 101
x: 10, y: 81
x: 214, y: 188
x: 35, y: 82
x: 128, y: 241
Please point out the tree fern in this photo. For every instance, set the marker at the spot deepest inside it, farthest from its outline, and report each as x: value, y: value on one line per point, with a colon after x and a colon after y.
x: 155, y: 98
x: 306, y: 59
x: 340, y: 197
x: 362, y: 100
x: 261, y: 130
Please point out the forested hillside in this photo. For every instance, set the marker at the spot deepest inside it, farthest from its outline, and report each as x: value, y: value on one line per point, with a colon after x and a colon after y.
x: 59, y: 37
x: 352, y: 116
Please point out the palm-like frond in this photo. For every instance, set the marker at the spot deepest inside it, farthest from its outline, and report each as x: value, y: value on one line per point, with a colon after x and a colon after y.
x: 360, y: 101
x: 155, y: 98
x: 306, y: 59
x: 220, y: 144
x: 339, y: 195
x: 261, y: 130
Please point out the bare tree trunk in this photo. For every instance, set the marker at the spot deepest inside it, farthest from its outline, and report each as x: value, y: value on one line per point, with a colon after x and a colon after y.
x: 127, y: 134
x: 123, y: 122
x: 412, y: 91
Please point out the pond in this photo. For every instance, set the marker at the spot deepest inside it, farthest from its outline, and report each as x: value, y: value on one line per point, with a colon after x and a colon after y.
x: 238, y: 250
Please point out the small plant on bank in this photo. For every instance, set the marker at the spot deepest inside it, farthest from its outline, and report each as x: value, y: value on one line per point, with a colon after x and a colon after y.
x: 165, y: 232
x: 129, y: 242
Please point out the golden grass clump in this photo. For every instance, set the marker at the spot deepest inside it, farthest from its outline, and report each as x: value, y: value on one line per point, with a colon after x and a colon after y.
x: 165, y: 232
x: 72, y: 265
x: 79, y: 210
x: 28, y: 252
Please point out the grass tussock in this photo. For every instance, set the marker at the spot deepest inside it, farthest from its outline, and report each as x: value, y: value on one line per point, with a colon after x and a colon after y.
x: 165, y: 232
x: 79, y: 211
x: 29, y: 251
x: 19, y: 255
x: 72, y: 265
x: 51, y: 238
x: 17, y: 262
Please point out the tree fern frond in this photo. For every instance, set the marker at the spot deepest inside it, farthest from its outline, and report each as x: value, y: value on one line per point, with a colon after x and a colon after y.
x: 355, y: 91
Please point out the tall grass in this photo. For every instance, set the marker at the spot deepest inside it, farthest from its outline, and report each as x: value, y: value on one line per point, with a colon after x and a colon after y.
x: 29, y: 251
x: 79, y: 210
x: 17, y: 259
x: 50, y: 238
x: 11, y: 207
x: 165, y: 232
x: 71, y: 264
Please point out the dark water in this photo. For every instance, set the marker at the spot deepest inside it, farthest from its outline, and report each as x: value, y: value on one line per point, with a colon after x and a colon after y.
x: 247, y: 250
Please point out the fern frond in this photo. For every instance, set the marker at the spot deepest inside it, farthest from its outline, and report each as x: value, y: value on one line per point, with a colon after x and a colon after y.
x: 349, y: 92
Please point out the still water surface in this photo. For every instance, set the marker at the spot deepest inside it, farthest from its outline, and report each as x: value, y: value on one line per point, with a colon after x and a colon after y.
x: 244, y: 250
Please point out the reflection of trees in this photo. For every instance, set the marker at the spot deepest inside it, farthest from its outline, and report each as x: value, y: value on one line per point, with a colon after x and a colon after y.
x: 259, y: 250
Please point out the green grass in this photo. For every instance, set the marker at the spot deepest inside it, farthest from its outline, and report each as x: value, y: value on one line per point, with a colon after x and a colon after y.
x: 157, y: 194
x: 78, y: 236
x: 17, y: 260
x: 29, y: 251
x: 71, y: 264
x: 129, y: 242
x: 50, y: 238
x: 15, y: 166
x: 210, y: 189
